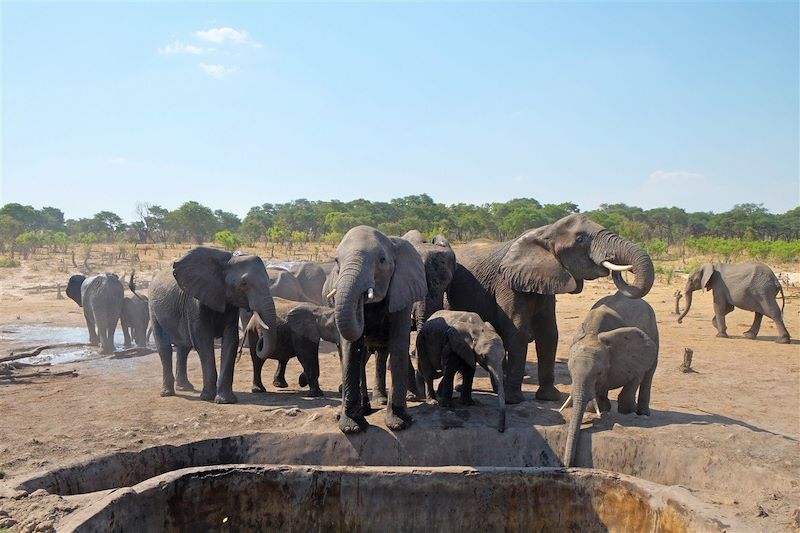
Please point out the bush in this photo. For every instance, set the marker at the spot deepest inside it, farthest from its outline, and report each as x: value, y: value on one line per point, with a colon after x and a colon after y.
x: 8, y: 262
x: 229, y: 241
x: 656, y: 248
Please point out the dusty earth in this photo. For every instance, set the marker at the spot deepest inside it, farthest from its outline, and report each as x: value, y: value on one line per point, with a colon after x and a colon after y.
x: 741, y: 404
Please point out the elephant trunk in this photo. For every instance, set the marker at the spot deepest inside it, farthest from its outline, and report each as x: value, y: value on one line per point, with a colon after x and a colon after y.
x: 497, y: 374
x: 688, y: 294
x: 608, y: 246
x: 264, y: 307
x: 349, y: 308
x: 580, y: 399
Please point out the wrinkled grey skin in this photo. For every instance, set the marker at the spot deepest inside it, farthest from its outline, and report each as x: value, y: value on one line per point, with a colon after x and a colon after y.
x: 749, y: 286
x: 366, y: 259
x: 512, y: 286
x: 452, y: 341
x: 285, y: 285
x: 101, y: 297
x: 440, y: 266
x: 135, y: 317
x: 311, y: 275
x: 298, y: 330
x: 197, y: 301
x: 616, y: 346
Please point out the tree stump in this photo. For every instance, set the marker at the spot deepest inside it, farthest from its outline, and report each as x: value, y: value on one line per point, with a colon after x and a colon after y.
x: 686, y: 366
x: 678, y: 297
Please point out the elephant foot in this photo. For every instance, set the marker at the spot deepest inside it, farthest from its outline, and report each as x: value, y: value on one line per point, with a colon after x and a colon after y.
x: 546, y: 392
x: 783, y: 340
x: 722, y: 335
x: 184, y: 385
x: 467, y: 401
x: 379, y: 398
x: 279, y: 383
x: 303, y: 380
x: 208, y: 395
x: 445, y: 403
x: 603, y: 404
x: 432, y: 401
x: 645, y: 411
x: 515, y: 396
x: 316, y: 393
x: 624, y: 409
x: 397, y: 420
x: 352, y: 425
x: 258, y: 388
x: 167, y: 392
x: 225, y: 397
x: 412, y: 397
x: 749, y: 334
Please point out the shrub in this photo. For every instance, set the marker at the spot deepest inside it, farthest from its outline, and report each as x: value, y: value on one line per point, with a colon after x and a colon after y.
x: 8, y: 262
x: 656, y: 248
x: 229, y: 241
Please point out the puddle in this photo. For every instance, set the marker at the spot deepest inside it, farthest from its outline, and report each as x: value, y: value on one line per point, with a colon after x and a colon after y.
x: 14, y: 337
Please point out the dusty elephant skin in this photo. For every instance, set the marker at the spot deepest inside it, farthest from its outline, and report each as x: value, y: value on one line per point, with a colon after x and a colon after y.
x: 513, y: 285
x: 198, y: 301
x: 101, y: 297
x: 749, y: 286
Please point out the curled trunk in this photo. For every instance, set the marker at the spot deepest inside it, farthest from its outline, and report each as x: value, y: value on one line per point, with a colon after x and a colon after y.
x: 265, y: 308
x: 349, y: 309
x: 580, y: 399
x: 608, y: 246
x: 688, y: 305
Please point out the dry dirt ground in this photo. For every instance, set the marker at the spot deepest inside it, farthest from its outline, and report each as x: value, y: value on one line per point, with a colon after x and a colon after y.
x: 742, y: 403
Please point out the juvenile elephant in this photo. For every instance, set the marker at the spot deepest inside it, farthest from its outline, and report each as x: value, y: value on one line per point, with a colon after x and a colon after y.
x: 101, y: 298
x: 298, y: 330
x: 451, y: 341
x: 197, y: 301
x: 512, y: 286
x: 135, y: 317
x: 440, y: 266
x: 374, y: 283
x: 749, y: 286
x: 616, y: 346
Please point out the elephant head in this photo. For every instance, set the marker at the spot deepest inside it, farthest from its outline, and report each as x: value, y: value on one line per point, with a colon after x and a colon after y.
x: 604, y: 361
x: 371, y: 267
x: 557, y: 258
x: 440, y: 266
x: 220, y: 279
x: 698, y: 278
x: 74, y: 288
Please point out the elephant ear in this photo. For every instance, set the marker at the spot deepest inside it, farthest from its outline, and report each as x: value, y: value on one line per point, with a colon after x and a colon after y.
x: 408, y: 281
x: 708, y: 272
x: 530, y: 266
x: 201, y: 275
x: 633, y: 353
x: 463, y: 344
x: 74, y: 288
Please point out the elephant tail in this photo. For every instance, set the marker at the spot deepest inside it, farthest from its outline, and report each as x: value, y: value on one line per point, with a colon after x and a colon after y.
x: 783, y: 297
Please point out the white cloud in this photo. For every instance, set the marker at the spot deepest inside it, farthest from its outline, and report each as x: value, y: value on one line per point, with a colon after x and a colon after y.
x: 178, y: 47
x: 675, y: 177
x: 221, y: 35
x: 218, y: 72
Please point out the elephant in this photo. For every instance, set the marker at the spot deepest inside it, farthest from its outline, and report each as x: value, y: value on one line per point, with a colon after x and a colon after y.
x: 297, y: 332
x: 512, y: 285
x: 450, y: 341
x: 101, y: 297
x: 374, y: 283
x: 135, y: 316
x: 615, y: 346
x: 311, y: 275
x: 440, y: 265
x: 198, y: 301
x: 285, y: 285
x: 749, y: 286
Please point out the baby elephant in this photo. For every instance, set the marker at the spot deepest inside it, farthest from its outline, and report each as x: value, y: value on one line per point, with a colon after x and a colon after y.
x: 616, y: 346
x: 135, y: 316
x: 452, y: 341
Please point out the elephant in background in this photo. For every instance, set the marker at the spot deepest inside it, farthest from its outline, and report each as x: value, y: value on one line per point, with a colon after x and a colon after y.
x: 749, y: 286
x: 197, y: 301
x: 284, y: 284
x: 512, y: 286
x: 101, y: 297
x: 374, y: 283
x: 311, y: 275
x: 440, y: 266
x: 616, y: 346
x: 298, y: 330
x: 135, y: 317
x: 453, y: 341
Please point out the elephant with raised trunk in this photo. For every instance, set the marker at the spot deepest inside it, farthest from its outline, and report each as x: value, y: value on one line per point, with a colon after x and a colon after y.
x: 512, y: 285
x: 749, y: 286
x: 616, y: 346
x: 374, y: 283
x: 101, y: 297
x: 197, y: 301
x: 135, y: 317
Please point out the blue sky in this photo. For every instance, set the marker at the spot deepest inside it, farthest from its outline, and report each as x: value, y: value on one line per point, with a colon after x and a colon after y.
x: 234, y: 105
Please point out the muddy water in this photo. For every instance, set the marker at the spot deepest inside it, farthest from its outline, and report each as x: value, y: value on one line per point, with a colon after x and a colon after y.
x: 14, y: 337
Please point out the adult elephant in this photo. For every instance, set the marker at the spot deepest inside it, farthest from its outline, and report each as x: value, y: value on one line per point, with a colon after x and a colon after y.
x: 312, y: 275
x: 374, y: 283
x: 440, y: 266
x: 284, y: 284
x: 198, y: 301
x: 512, y: 285
x: 101, y: 298
x: 749, y: 286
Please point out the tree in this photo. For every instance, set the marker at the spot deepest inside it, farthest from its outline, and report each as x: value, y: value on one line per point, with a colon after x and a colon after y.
x: 195, y: 221
x: 228, y: 221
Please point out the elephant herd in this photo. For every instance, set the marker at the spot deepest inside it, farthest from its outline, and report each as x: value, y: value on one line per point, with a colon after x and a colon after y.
x: 481, y: 304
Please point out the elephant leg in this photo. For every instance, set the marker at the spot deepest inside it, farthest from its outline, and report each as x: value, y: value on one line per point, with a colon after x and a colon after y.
x: 397, y: 417
x: 205, y: 350
x: 230, y: 345
x: 279, y: 379
x: 125, y: 332
x: 94, y: 340
x: 427, y: 372
x: 451, y: 363
x: 643, y: 403
x: 379, y: 395
x: 601, y: 399
x: 413, y: 389
x: 366, y: 407
x: 774, y: 312
x: 351, y: 418
x: 106, y: 336
x: 752, y: 333
x: 468, y: 373
x: 165, y: 354
x: 720, y: 310
x: 181, y: 378
x: 309, y: 358
x: 516, y: 350
x: 545, y: 331
x: 626, y: 401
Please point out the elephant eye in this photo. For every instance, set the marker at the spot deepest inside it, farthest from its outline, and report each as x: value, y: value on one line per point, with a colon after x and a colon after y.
x: 580, y: 239
x: 383, y: 260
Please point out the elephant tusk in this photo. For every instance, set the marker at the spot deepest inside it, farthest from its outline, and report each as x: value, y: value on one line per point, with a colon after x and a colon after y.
x: 616, y: 268
x: 330, y: 294
x: 370, y: 294
x: 566, y: 404
x: 260, y: 322
x: 597, y: 408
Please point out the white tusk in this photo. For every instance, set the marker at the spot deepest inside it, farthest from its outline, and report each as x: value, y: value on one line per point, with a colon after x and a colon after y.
x: 260, y: 322
x: 330, y: 294
x: 566, y: 404
x: 597, y: 408
x: 616, y: 268
x: 370, y: 294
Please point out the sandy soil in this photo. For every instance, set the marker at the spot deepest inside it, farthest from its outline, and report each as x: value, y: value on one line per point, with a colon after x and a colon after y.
x: 742, y: 401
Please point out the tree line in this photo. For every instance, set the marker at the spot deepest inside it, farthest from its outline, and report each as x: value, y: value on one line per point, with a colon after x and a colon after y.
x: 24, y: 228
